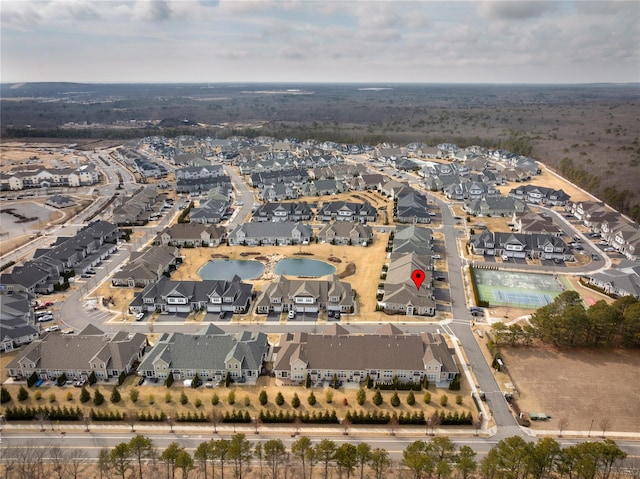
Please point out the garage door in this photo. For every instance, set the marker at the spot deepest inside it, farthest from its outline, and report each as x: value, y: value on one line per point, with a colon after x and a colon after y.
x: 307, y: 309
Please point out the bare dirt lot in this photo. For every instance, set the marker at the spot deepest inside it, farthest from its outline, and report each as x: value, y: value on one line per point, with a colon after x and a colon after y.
x: 579, y: 385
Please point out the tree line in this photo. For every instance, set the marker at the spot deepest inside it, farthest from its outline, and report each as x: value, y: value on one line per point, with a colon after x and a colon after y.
x: 238, y: 457
x: 567, y: 323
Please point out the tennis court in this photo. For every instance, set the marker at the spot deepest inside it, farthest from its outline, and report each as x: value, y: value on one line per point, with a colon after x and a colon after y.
x: 521, y: 290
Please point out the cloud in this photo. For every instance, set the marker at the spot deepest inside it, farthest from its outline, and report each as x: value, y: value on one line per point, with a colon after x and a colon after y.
x: 515, y: 9
x: 159, y: 10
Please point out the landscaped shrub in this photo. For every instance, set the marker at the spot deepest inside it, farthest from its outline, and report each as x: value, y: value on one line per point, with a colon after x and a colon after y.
x: 455, y: 384
x: 231, y: 397
x: 55, y: 414
x: 328, y: 396
x: 60, y: 380
x: 92, y: 379
x: 395, y: 400
x: 115, y: 396
x: 377, y: 398
x: 361, y: 396
x: 411, y: 399
x: 263, y: 398
x: 236, y: 416
x: 98, y: 398
x: 121, y: 378
x: 197, y: 402
x: 167, y: 397
x: 31, y: 380
x: 312, y: 399
x: 183, y: 398
x: 5, y: 396
x: 37, y: 395
x: 23, y: 394
x: 444, y: 400
x: 295, y: 401
x: 133, y: 395
x: 215, y: 399
x: 279, y: 399
x: 84, y: 395
x: 246, y: 401
x: 52, y: 397
x: 427, y: 397
x: 459, y: 399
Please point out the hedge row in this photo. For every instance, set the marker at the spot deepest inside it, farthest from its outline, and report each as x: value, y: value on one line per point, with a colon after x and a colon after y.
x: 56, y: 414
x: 270, y: 417
x: 106, y: 415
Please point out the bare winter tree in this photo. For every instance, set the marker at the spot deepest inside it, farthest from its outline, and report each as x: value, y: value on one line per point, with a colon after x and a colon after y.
x: 59, y: 461
x: 604, y: 424
x: 563, y: 423
x: 77, y: 464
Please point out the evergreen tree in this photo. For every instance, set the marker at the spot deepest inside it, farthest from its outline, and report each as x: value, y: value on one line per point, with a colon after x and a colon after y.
x: 98, y: 398
x: 295, y: 401
x: 23, y: 395
x: 5, y: 397
x: 361, y: 396
x: 84, y: 395
x: 377, y: 398
x: 279, y: 399
x: 263, y: 398
x: 115, y: 396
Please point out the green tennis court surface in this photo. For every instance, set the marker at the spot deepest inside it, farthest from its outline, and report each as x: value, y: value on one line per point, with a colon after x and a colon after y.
x: 521, y: 290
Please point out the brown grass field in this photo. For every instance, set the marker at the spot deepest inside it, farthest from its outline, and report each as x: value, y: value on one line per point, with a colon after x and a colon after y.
x: 579, y: 385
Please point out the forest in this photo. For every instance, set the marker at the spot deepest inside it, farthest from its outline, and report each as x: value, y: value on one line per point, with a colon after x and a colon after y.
x: 567, y: 323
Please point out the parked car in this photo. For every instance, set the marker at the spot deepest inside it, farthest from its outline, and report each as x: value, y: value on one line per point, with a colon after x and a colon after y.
x: 79, y: 384
x: 52, y: 328
x: 292, y: 314
x: 85, y: 276
x: 39, y: 382
x: 337, y: 315
x: 141, y: 381
x: 330, y: 314
x: 609, y: 249
x: 139, y: 316
x: 45, y: 318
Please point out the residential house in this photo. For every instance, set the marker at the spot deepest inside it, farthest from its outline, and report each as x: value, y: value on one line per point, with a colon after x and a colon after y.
x: 346, y: 233
x: 199, y: 172
x: 270, y: 233
x: 413, y: 239
x: 346, y: 211
x: 305, y: 295
x: 494, y: 206
x: 278, y: 192
x: 147, y: 267
x: 621, y: 280
x: 412, y: 208
x: 352, y: 358
x: 191, y: 234
x: 210, y: 354
x: 213, y: 296
x: 400, y: 294
x: 593, y: 214
x: 84, y: 175
x: 323, y: 187
x: 518, y: 245
x: 210, y: 211
x: 540, y: 195
x: 17, y: 323
x: 77, y: 356
x: 624, y: 237
x: 535, y: 223
x: 277, y: 212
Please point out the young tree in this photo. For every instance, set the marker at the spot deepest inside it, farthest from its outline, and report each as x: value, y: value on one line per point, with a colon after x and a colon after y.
x: 115, y: 396
x: 274, y: 455
x: 140, y: 448
x: 312, y: 399
x: 411, y: 398
x: 377, y: 398
x: 92, y: 379
x: 395, y: 400
x: 121, y: 459
x: 183, y: 398
x: 23, y: 395
x: 263, y: 398
x: 300, y: 449
x: 231, y: 397
x: 444, y: 400
x: 98, y: 398
x: 563, y: 423
x: 258, y: 453
x: 5, y: 397
x: 361, y: 396
x: 133, y: 395
x: 295, y: 401
x: 279, y: 399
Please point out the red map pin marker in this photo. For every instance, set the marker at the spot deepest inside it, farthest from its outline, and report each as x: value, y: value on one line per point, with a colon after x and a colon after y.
x: 418, y: 277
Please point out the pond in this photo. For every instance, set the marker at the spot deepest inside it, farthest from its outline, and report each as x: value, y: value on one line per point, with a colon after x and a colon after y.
x: 304, y: 267
x: 226, y: 268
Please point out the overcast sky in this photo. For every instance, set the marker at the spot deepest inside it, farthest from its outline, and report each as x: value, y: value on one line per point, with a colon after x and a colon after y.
x: 320, y: 41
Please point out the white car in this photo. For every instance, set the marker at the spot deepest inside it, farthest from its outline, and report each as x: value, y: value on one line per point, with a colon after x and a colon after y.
x: 292, y: 314
x: 139, y: 316
x: 52, y: 328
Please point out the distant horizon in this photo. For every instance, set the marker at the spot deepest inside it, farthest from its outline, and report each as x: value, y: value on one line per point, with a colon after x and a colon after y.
x: 348, y: 41
x: 304, y: 82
